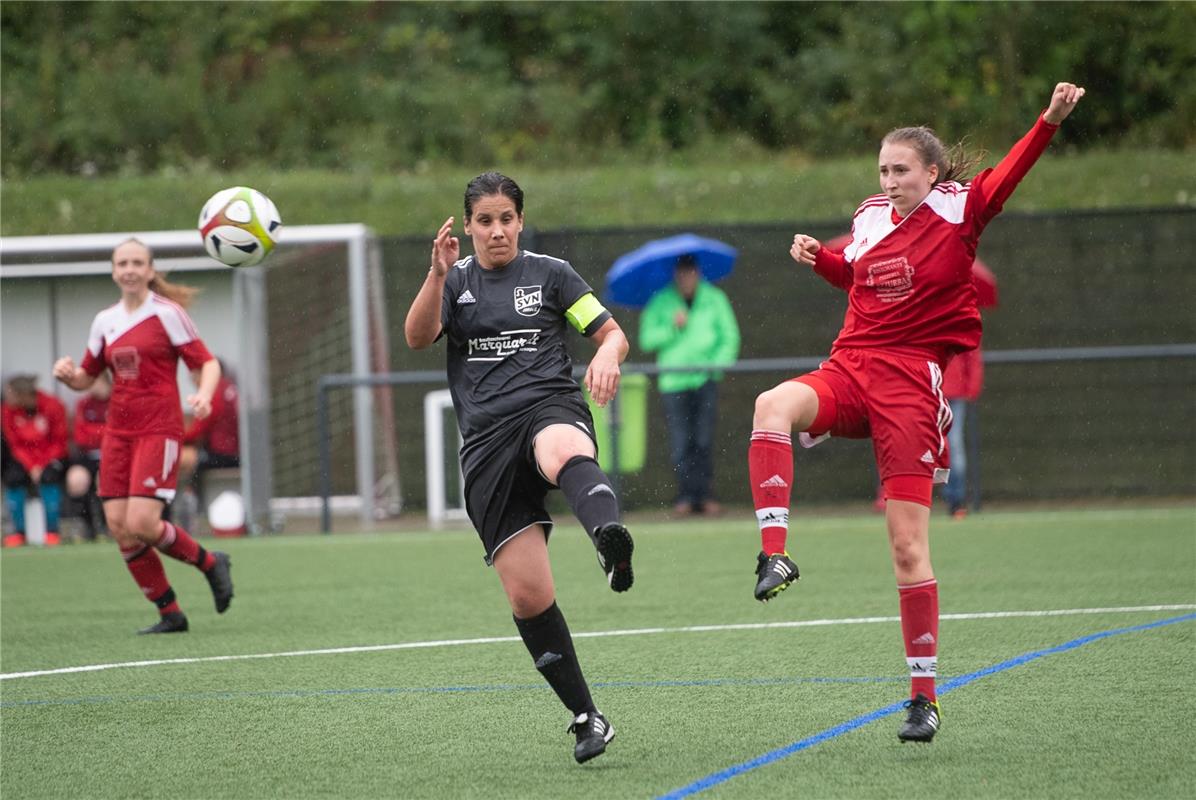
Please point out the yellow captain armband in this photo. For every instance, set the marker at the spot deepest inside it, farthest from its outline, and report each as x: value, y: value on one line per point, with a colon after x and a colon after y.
x: 584, y: 311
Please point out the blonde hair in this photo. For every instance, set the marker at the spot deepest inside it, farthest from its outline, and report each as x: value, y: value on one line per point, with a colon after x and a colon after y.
x: 954, y: 163
x: 175, y: 292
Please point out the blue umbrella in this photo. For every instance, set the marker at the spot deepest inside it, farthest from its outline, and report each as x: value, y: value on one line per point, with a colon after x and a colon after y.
x: 638, y: 275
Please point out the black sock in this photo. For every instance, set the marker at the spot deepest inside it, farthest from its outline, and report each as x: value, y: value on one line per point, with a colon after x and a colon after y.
x: 547, y: 638
x: 589, y: 493
x: 165, y: 599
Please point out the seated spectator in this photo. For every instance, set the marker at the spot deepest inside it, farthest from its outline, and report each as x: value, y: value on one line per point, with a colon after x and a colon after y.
x: 33, y: 424
x: 210, y: 443
x: 91, y: 410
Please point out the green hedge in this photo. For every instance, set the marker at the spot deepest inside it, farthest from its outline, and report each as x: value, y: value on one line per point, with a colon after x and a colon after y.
x: 119, y: 87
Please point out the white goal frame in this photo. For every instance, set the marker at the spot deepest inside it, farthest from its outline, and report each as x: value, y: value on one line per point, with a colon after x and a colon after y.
x: 363, y: 257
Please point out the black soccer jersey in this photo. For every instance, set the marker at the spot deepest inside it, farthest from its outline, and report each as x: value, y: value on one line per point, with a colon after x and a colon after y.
x: 505, y: 330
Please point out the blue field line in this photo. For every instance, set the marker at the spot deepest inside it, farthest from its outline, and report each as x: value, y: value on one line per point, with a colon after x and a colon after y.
x: 395, y: 690
x: 724, y: 775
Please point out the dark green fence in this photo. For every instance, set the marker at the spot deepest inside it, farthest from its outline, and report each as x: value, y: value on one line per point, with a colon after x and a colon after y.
x: 1050, y: 430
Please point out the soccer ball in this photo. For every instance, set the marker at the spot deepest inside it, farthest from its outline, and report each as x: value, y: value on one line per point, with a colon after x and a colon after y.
x: 239, y: 226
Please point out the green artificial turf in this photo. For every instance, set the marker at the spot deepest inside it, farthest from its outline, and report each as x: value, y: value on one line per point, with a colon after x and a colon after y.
x: 1110, y: 717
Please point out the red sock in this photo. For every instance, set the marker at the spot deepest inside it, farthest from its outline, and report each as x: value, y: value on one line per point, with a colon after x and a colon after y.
x: 177, y: 543
x: 920, y: 629
x: 770, y: 468
x: 146, y: 568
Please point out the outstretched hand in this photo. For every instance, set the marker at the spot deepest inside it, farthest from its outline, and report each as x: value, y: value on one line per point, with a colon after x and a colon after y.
x: 446, y: 249
x: 1063, y: 101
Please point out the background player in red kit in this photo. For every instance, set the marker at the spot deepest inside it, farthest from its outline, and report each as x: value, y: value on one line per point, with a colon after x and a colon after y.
x: 141, y: 339
x: 911, y: 307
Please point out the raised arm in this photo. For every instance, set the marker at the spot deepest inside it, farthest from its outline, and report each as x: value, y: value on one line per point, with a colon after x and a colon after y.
x: 991, y: 188
x: 1064, y: 100
x: 422, y: 325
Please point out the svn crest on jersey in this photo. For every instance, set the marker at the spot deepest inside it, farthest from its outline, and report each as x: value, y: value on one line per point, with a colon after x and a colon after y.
x: 528, y: 300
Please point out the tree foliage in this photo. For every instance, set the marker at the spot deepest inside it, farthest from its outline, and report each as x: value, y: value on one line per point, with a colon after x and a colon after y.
x: 135, y: 87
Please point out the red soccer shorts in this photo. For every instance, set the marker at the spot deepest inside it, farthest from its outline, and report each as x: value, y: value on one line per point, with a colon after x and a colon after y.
x: 138, y: 466
x: 895, y: 400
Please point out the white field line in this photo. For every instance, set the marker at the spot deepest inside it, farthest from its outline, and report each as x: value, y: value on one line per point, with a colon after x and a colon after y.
x: 747, y: 626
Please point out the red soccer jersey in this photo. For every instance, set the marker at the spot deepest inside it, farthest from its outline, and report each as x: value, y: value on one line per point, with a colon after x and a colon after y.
x: 90, y: 413
x: 909, y: 280
x: 37, y: 437
x: 217, y: 432
x: 143, y: 347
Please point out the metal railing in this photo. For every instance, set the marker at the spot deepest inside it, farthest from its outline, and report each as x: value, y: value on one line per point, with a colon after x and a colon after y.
x: 794, y: 366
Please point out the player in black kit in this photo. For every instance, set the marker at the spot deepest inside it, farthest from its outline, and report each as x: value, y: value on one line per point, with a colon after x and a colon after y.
x: 525, y: 424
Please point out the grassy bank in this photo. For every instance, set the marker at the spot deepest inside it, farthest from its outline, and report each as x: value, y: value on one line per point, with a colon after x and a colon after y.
x: 755, y: 190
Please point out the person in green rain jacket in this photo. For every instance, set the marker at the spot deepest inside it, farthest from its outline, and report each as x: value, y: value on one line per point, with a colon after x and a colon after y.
x: 690, y: 322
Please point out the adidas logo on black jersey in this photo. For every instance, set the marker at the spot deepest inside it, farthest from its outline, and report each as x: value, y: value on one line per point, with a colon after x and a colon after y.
x: 466, y: 297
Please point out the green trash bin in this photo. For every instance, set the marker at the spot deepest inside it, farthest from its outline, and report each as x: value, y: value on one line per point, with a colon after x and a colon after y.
x: 633, y: 425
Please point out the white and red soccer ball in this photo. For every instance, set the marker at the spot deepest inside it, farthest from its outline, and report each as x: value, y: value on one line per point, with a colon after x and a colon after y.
x: 239, y: 226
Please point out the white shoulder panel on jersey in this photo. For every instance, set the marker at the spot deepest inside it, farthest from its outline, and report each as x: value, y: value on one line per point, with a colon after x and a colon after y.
x: 103, y: 321
x: 462, y: 263
x: 178, y: 325
x: 948, y: 200
x: 115, y: 321
x: 872, y: 223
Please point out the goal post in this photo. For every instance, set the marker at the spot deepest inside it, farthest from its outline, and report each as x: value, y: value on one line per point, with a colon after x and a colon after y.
x: 315, y: 306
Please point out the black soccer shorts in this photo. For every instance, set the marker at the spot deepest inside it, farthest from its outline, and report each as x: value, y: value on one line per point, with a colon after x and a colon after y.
x: 504, y: 490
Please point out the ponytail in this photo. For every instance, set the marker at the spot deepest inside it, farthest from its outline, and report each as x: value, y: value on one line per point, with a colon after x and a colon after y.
x: 175, y: 292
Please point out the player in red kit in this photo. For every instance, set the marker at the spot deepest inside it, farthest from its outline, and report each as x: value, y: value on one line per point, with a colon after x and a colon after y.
x: 140, y: 340
x: 911, y: 307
